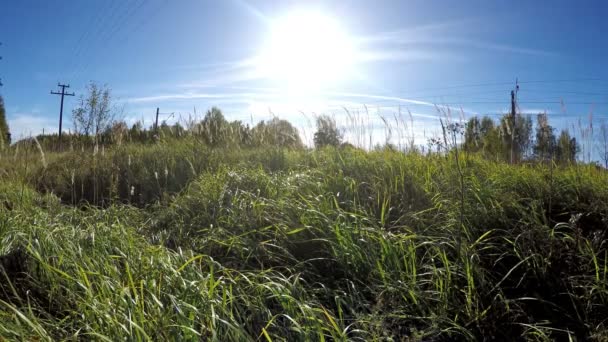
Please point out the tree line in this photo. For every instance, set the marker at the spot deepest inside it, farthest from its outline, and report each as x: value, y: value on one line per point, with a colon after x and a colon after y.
x: 5, y: 134
x: 96, y: 121
x: 514, y: 139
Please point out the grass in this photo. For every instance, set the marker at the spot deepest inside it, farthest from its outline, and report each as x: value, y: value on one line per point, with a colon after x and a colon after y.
x: 176, y: 241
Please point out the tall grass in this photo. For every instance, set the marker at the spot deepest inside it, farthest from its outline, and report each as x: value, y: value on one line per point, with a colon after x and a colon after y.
x: 177, y: 241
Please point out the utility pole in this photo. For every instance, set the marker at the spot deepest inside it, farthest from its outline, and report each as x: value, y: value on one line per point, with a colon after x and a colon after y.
x: 159, y: 113
x: 1, y: 78
x: 156, y: 122
x: 62, y: 93
x: 513, y: 114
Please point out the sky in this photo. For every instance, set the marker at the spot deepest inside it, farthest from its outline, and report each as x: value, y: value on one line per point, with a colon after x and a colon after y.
x: 254, y: 60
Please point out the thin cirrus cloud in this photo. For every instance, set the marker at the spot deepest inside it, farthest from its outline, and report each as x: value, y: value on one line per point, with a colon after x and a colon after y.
x: 270, y: 95
x: 405, y: 45
x: 448, y: 35
x: 23, y: 125
x: 173, y: 97
x: 259, y: 105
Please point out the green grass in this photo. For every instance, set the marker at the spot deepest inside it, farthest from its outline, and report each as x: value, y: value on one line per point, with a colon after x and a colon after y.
x: 299, y: 245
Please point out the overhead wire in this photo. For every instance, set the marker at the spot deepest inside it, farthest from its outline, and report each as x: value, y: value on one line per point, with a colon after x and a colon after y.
x: 94, y: 31
x: 113, y: 20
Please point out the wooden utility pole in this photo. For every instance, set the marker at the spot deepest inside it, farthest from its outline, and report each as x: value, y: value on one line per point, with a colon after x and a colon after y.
x: 156, y: 122
x: 62, y: 93
x: 1, y: 78
x: 513, y: 114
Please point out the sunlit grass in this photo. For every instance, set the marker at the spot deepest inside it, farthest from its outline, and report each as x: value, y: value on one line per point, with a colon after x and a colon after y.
x: 177, y: 241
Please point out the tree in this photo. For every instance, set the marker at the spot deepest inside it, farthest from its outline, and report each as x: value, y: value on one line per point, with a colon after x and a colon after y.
x: 327, y: 133
x: 485, y: 137
x: 545, y: 144
x: 136, y: 132
x: 490, y: 137
x: 516, y: 132
x: 277, y: 132
x: 94, y: 113
x: 5, y: 134
x: 566, y: 148
x: 213, y: 127
x: 118, y: 131
x: 472, y: 135
x: 604, y: 143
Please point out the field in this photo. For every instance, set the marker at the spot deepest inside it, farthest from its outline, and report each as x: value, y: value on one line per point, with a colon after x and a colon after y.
x: 176, y: 240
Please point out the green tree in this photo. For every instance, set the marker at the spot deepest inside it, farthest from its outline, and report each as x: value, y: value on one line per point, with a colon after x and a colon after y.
x: 5, y: 134
x: 516, y: 132
x: 277, y: 132
x: 136, y: 132
x: 545, y: 144
x: 603, y: 143
x: 490, y: 138
x: 214, y: 127
x: 484, y: 136
x: 327, y: 133
x: 567, y: 148
x: 472, y: 135
x: 94, y: 112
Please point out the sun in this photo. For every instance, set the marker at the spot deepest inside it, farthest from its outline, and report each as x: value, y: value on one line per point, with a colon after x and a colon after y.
x: 306, y: 49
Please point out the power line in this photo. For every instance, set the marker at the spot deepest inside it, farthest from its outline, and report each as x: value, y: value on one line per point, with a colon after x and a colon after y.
x: 84, y: 35
x: 118, y: 25
x: 110, y: 20
x: 93, y: 32
x: 566, y: 80
x: 128, y: 14
x: 487, y: 84
x: 145, y: 18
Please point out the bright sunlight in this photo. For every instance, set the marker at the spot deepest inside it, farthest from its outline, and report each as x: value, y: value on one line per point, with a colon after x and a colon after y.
x: 306, y: 49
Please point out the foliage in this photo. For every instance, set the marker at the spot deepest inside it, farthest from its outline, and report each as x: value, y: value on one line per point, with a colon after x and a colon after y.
x: 213, y: 127
x: 327, y: 133
x: 545, y: 144
x: 603, y: 143
x: 276, y: 132
x: 94, y: 112
x: 567, y: 148
x: 175, y: 239
x: 516, y: 132
x: 5, y: 134
x: 494, y: 142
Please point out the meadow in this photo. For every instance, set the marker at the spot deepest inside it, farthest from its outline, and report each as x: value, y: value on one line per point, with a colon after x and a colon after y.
x: 182, y: 240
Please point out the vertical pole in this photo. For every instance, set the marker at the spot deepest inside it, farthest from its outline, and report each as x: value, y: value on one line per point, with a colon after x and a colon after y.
x: 156, y: 124
x: 514, y: 117
x: 512, y: 123
x: 62, y: 93
x: 61, y: 110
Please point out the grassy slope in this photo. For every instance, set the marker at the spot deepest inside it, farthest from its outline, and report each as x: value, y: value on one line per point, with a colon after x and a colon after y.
x: 296, y: 245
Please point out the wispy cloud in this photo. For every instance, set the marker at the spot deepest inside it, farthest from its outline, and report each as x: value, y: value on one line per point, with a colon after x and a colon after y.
x: 444, y: 36
x: 215, y: 67
x: 534, y: 111
x: 526, y: 111
x: 197, y: 95
x: 263, y: 100
x: 23, y: 125
x: 479, y: 44
x: 415, y: 33
x: 171, y: 97
x: 401, y: 55
x: 382, y: 97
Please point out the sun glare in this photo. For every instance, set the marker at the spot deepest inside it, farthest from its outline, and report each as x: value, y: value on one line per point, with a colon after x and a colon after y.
x: 306, y: 50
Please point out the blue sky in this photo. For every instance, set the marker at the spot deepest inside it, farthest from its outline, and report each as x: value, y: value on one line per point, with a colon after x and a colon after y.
x: 410, y: 55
